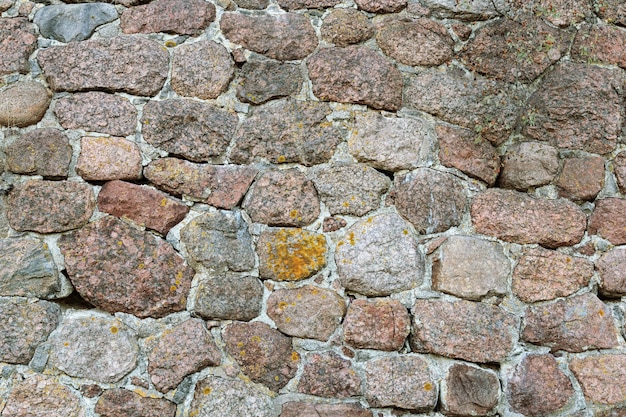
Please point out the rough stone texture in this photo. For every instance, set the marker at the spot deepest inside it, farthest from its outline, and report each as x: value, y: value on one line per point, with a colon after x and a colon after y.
x: 619, y: 166
x: 134, y: 65
x: 122, y: 403
x: 538, y: 387
x: 219, y: 241
x: 264, y: 354
x: 50, y: 206
x: 23, y: 104
x: 471, y: 268
x: 600, y: 44
x: 613, y: 11
x: 574, y: 324
x: 252, y: 4
x: 188, y: 17
x: 400, y: 381
x: 381, y: 324
x: 581, y: 178
x: 215, y: 395
x: 472, y: 331
x: 576, y: 106
x: 433, y: 201
x: 332, y: 224
x: 302, y: 409
x: 5, y: 5
x: 283, y: 37
x: 519, y: 218
x: 307, y: 4
x: 229, y: 297
x: 561, y: 13
x: 283, y: 198
x: 611, y: 267
x: 201, y: 69
x: 355, y: 75
x: 329, y: 375
x: 73, y: 22
x: 465, y: 10
x: 17, y: 42
x: 607, y: 220
x: 470, y: 391
x: 46, y: 152
x: 529, y: 164
x: 260, y: 81
x: 379, y: 256
x: 98, y: 348
x: 108, y: 158
x: 181, y: 351
x: 344, y: 27
x: 543, y: 274
x: 287, y: 131
x: 42, y: 396
x: 381, y: 6
x: 308, y: 312
x: 117, y: 267
x: 97, y: 112
x: 602, y: 377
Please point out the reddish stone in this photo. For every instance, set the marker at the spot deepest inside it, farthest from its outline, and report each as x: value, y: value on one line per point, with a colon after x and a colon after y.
x: 46, y: 152
x: 619, y: 165
x: 229, y: 297
x: 462, y: 31
x: 381, y: 6
x: 329, y: 375
x: 23, y: 104
x: 301, y: 409
x: 600, y: 43
x: 17, y: 42
x: 344, y: 27
x: 529, y: 164
x: 332, y: 224
x: 108, y: 158
x: 608, y: 221
x: 307, y: 4
x: 264, y: 80
x: 381, y: 324
x: 613, y: 11
x: 91, y: 390
x: 470, y: 391
x: 187, y: 17
x: 122, y: 403
x: 561, y: 13
x: 602, y: 377
x: 581, y: 178
x: 42, y: 395
x: 612, y: 269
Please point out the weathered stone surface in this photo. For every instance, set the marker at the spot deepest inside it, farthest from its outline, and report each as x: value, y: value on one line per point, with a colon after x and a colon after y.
x: 264, y: 354
x: 472, y: 331
x: 607, y: 220
x: 332, y: 224
x: 42, y: 395
x: 619, y: 165
x: 98, y: 348
x: 283, y: 198
x: 344, y: 27
x: 219, y: 241
x: 73, y: 22
x: 381, y: 6
x: 230, y: 397
x: 355, y: 75
x: 543, y: 274
x: 201, y: 69
x: 613, y: 11
x: 194, y: 130
x: 229, y: 297
x: 23, y: 104
x: 466, y: 10
x: 46, y: 152
x: 97, y: 112
x: 117, y: 267
x: 561, y: 13
x: 577, y: 106
x: 433, y: 201
x: 538, y: 387
x: 121, y: 403
x: 302, y: 409
x: 471, y: 268
x: 329, y: 375
x: 400, y: 381
x: 283, y: 37
x: 18, y: 41
x: 181, y: 351
x: 134, y: 65
x: 287, y: 254
x: 381, y: 324
x: 602, y: 377
x: 252, y: 4
x: 50, y: 206
x: 260, y: 81
x: 581, y: 178
x: 529, y: 164
x: 391, y: 143
x: 108, y: 158
x: 574, y: 324
x: 189, y: 17
x: 308, y: 312
x: 612, y: 269
x: 379, y: 256
x: 470, y: 391
x: 519, y: 218
x: 600, y: 44
x: 307, y: 4
x: 287, y: 131
x: 5, y: 5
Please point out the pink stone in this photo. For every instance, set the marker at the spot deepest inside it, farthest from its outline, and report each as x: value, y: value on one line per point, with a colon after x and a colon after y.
x: 602, y: 377
x: 582, y: 178
x: 381, y: 324
x: 188, y: 17
x: 329, y: 375
x: 608, y: 221
x: 612, y: 269
x: 108, y: 158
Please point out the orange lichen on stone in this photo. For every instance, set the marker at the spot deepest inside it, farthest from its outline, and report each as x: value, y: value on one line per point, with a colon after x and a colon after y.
x: 291, y: 254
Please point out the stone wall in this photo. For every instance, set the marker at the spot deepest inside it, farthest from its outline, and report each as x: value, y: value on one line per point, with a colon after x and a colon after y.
x: 318, y: 208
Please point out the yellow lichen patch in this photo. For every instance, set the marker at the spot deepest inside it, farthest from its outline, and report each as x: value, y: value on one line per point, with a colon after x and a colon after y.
x: 170, y: 43
x: 295, y: 254
x: 207, y: 390
x: 405, y: 231
x: 294, y: 356
x: 114, y: 329
x: 282, y: 305
x: 601, y: 313
x: 173, y: 288
x: 163, y: 202
x: 351, y: 238
x: 287, y: 319
x: 281, y: 159
x: 255, y: 339
x: 428, y: 386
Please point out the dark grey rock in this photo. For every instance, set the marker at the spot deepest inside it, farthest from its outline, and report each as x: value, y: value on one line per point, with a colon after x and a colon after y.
x: 73, y: 22
x: 229, y: 297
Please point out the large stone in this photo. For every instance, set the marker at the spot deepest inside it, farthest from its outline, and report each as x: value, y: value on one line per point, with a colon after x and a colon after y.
x: 466, y: 10
x: 381, y: 324
x: 612, y: 270
x: 329, y: 375
x: 613, y: 11
x: 73, y: 22
x: 194, y: 130
x: 574, y: 324
x: 181, y: 351
x: 307, y: 4
x: 124, y: 403
x: 607, y: 220
x: 381, y: 6
x: 602, y: 377
x: 284, y: 37
x: 23, y: 104
x: 17, y: 42
x: 50, y: 206
x: 581, y: 178
x: 46, y: 152
x: 561, y: 13
x: 229, y: 297
x: 519, y: 218
x: 44, y: 396
x: 379, y: 256
x: 287, y: 131
x: 308, y: 312
x: 344, y: 27
x: 529, y: 164
x: 215, y: 395
x: 600, y: 44
x: 470, y: 391
x: 304, y: 409
x: 355, y: 75
x: 260, y: 81
x: 187, y: 17
x: 134, y: 65
x: 118, y: 267
x: 108, y: 158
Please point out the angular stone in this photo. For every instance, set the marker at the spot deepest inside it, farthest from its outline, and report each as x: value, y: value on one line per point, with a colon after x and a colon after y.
x: 134, y: 65
x: 201, y: 69
x: 182, y: 350
x: 561, y: 13
x: 229, y: 297
x: 253, y: 4
x: 97, y: 112
x: 329, y: 375
x: 117, y: 267
x: 574, y: 324
x: 43, y: 395
x: 121, y: 403
x: 607, y: 220
x: 50, y: 206
x: 381, y: 324
x: 357, y: 75
x: 602, y: 377
x: 612, y: 269
x: 302, y: 409
x: 307, y: 4
x: 284, y: 37
x: 215, y: 395
x: 577, y: 106
x: 472, y: 331
x: 219, y: 241
x: 194, y: 130
x: 543, y: 274
x: 538, y: 387
x: 222, y: 186
x: 466, y: 10
x: 468, y: 152
x: 108, y: 158
x: 307, y: 312
x: 581, y: 178
x: 283, y: 198
x: 5, y: 5
x: 264, y: 354
x: 519, y: 218
x: 344, y: 27
x: 73, y: 22
x: 529, y: 164
x: 613, y: 11
x: 470, y: 391
x: 261, y: 81
x: 379, y: 256
x: 332, y: 224
x: 23, y: 104
x: 287, y: 131
x: 390, y: 143
x: 98, y: 348
x: 18, y: 41
x: 186, y: 17
x: 381, y: 6
x: 619, y: 165
x: 600, y: 44
x: 46, y: 152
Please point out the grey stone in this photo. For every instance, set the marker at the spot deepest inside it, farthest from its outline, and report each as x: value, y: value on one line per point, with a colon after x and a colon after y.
x: 229, y: 297
x: 329, y: 375
x: 43, y: 396
x: 215, y: 396
x: 73, y: 22
x: 261, y: 81
x: 529, y: 164
x: 469, y: 10
x: 46, y: 152
x: 470, y: 391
